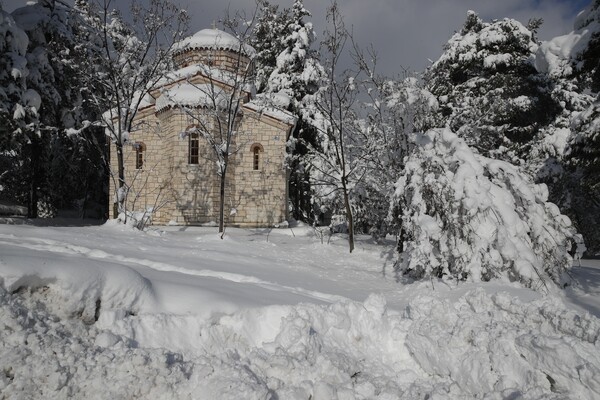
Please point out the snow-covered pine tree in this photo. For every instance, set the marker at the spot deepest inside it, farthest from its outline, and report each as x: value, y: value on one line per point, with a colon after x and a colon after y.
x: 13, y: 74
x: 18, y: 109
x: 64, y: 168
x: 470, y: 217
x: 571, y: 62
x: 585, y: 66
x: 298, y: 74
x: 267, y: 33
x: 489, y: 91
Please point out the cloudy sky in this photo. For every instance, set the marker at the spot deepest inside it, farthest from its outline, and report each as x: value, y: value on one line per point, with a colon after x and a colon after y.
x: 405, y: 33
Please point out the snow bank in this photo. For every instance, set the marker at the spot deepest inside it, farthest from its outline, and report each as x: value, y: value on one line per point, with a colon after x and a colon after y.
x: 176, y: 338
x: 82, y: 290
x: 482, y: 346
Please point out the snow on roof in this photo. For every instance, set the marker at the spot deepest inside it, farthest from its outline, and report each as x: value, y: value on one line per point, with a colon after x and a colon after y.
x: 213, y: 73
x: 273, y: 105
x: 191, y: 95
x: 213, y: 39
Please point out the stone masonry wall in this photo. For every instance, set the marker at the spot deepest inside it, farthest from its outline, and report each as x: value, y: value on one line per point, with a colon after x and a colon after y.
x: 222, y: 59
x: 261, y: 195
x: 185, y: 194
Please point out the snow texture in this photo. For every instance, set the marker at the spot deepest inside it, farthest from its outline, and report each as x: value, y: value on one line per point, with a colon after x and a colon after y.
x: 467, y: 216
x: 273, y: 105
x: 108, y: 312
x: 558, y: 56
x: 192, y: 95
x: 213, y: 39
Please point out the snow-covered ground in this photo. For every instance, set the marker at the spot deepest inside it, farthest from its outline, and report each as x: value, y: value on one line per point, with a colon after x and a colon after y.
x: 107, y: 312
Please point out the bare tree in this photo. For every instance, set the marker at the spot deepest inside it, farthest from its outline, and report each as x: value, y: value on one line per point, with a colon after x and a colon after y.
x: 125, y: 62
x: 338, y: 164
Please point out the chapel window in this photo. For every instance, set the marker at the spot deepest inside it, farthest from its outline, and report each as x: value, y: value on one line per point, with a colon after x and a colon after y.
x: 194, y: 148
x: 256, y: 150
x: 140, y: 148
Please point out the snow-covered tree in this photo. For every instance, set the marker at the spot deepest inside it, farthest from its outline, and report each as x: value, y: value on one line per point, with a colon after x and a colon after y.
x: 295, y: 72
x: 125, y: 61
x: 19, y: 113
x: 489, y: 90
x: 270, y: 27
x: 52, y: 60
x: 571, y: 62
x: 470, y: 217
x: 583, y: 63
x: 14, y: 105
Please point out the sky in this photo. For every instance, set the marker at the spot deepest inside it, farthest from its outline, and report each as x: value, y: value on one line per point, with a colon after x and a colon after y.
x: 406, y: 34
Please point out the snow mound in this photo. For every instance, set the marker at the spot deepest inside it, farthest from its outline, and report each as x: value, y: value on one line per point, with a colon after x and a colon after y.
x: 491, y: 346
x: 82, y: 290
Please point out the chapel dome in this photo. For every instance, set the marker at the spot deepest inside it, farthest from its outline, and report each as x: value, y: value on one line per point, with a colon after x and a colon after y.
x: 213, y: 39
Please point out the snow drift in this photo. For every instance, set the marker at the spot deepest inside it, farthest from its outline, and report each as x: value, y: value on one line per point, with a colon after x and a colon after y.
x: 151, y: 336
x: 482, y: 346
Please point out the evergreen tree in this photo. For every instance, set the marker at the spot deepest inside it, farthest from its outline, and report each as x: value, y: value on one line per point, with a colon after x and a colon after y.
x: 19, y: 107
x: 53, y: 60
x: 489, y: 90
x: 470, y: 217
x: 298, y: 75
x: 571, y: 61
x: 270, y: 27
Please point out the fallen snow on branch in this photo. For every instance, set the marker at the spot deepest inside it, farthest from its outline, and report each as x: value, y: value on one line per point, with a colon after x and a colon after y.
x: 469, y: 217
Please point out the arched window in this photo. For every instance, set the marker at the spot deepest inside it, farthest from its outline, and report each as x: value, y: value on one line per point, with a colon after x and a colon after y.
x: 194, y: 148
x: 256, y: 159
x: 140, y: 148
x: 256, y: 150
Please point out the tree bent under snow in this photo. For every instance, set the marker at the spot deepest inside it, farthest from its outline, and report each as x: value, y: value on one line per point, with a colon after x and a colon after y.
x: 469, y: 217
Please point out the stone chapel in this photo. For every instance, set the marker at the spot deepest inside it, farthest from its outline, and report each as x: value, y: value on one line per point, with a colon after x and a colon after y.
x: 171, y: 170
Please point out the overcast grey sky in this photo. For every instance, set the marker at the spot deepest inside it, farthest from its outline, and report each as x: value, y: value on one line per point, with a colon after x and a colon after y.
x: 405, y: 33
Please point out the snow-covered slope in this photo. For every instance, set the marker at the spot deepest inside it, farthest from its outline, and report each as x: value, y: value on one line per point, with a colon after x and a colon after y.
x: 106, y: 312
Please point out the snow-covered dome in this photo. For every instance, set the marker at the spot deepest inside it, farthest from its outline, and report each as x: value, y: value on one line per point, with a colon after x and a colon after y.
x: 213, y: 39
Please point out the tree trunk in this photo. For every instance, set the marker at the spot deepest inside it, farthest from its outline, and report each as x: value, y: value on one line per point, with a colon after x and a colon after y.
x: 222, y: 200
x: 349, y: 217
x: 35, y: 180
x: 121, y: 179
